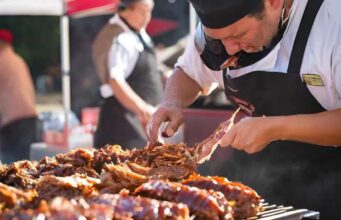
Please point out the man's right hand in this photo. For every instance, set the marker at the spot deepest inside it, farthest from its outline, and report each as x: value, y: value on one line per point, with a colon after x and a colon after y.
x: 167, y: 112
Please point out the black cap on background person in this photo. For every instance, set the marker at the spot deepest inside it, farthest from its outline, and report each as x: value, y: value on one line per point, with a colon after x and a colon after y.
x: 222, y: 13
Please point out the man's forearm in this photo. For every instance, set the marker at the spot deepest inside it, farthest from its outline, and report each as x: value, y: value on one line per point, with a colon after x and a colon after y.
x: 181, y: 90
x: 321, y: 128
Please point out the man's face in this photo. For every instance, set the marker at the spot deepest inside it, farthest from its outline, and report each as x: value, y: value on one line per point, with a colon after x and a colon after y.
x: 140, y: 14
x: 250, y: 34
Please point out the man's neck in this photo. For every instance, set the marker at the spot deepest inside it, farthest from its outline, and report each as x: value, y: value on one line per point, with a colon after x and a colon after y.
x: 127, y: 23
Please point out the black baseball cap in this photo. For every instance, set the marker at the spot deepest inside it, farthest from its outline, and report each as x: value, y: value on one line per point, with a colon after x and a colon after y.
x: 222, y: 13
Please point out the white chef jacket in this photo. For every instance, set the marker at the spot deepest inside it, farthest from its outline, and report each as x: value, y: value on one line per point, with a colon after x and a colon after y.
x: 123, y: 54
x: 322, y: 56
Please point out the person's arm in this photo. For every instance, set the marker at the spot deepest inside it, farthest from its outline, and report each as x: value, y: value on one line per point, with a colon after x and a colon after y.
x: 180, y: 92
x: 253, y: 134
x: 189, y: 79
x: 321, y: 129
x: 131, y: 101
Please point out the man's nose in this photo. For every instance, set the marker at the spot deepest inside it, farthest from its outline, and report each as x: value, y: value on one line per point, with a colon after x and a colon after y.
x: 232, y: 47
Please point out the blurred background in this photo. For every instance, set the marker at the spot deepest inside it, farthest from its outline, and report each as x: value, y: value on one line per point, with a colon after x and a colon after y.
x: 38, y: 40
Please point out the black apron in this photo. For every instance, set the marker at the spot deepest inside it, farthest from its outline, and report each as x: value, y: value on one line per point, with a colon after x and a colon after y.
x: 16, y: 139
x: 286, y: 172
x: 116, y: 124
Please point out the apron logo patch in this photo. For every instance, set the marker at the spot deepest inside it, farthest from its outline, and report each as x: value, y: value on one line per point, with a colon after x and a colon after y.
x: 313, y: 79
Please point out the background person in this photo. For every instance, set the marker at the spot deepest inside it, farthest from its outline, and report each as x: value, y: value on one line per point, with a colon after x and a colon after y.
x: 18, y: 115
x: 127, y: 67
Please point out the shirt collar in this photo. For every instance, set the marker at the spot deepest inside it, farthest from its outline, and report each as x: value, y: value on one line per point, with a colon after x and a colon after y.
x: 116, y: 19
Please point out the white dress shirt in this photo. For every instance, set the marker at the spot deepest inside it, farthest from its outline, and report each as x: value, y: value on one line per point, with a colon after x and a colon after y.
x: 123, y: 54
x: 322, y: 56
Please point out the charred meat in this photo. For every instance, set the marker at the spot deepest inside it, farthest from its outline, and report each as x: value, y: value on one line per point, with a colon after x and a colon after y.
x: 202, y: 203
x: 50, y: 187
x: 244, y: 200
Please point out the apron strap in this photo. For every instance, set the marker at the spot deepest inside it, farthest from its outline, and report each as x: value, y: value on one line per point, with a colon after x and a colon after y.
x: 302, y: 36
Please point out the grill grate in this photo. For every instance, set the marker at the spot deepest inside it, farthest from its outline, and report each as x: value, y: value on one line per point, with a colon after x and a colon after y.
x: 275, y: 212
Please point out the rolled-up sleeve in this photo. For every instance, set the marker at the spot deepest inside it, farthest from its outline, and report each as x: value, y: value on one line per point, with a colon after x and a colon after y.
x: 336, y: 69
x: 122, y: 57
x: 118, y: 61
x: 190, y: 62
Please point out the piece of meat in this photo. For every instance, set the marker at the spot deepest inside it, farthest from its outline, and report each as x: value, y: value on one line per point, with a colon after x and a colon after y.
x: 22, y: 174
x: 109, y: 154
x: 76, y: 161
x: 124, y: 206
x: 78, y: 157
x: 202, y: 203
x: 11, y: 197
x: 114, y: 178
x: 176, y: 161
x: 58, y: 208
x: 244, y: 200
x: 69, y: 187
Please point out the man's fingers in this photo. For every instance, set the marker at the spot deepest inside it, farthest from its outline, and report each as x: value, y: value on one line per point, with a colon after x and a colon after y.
x: 153, y: 127
x: 172, y: 126
x: 228, y: 138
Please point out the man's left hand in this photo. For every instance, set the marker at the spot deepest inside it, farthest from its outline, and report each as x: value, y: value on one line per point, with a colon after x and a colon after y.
x: 252, y: 134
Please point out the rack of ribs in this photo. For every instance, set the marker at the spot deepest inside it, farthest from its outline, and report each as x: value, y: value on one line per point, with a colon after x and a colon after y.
x: 202, y: 203
x: 244, y: 200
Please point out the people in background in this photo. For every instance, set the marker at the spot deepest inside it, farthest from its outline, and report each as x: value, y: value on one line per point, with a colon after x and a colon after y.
x: 18, y: 114
x: 126, y: 65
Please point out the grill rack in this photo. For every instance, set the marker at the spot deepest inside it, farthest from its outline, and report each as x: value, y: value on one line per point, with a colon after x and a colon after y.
x: 280, y: 212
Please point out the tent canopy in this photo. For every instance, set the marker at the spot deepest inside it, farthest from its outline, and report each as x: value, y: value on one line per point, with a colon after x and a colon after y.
x: 57, y: 7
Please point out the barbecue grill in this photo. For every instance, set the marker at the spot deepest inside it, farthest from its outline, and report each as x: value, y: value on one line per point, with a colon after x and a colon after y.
x: 279, y: 212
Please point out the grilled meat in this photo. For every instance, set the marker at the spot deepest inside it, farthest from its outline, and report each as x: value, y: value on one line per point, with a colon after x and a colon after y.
x: 202, y: 203
x: 110, y: 154
x: 69, y: 187
x: 21, y: 174
x: 11, y: 197
x: 244, y: 200
x: 165, y: 155
x: 87, y: 176
x: 58, y: 208
x: 114, y: 178
x: 76, y: 161
x: 129, y: 207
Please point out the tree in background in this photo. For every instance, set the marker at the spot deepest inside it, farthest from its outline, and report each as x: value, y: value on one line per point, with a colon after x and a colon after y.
x: 36, y: 39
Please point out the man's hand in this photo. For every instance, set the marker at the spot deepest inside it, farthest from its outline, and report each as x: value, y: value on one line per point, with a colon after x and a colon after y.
x: 252, y: 134
x: 167, y: 112
x: 144, y: 114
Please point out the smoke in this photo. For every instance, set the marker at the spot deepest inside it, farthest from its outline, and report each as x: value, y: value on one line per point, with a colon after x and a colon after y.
x: 288, y: 173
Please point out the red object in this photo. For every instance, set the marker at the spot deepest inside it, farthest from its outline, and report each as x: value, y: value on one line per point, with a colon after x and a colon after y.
x: 158, y: 26
x: 91, y: 6
x: 90, y: 116
x: 6, y: 35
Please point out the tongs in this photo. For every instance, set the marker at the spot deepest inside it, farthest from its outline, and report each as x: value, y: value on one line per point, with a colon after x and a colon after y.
x: 205, y: 149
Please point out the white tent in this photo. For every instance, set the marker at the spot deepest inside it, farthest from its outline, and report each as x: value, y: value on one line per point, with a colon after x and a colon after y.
x: 31, y: 7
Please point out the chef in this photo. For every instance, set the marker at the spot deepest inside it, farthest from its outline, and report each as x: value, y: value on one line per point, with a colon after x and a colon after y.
x: 280, y: 62
x: 125, y: 62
